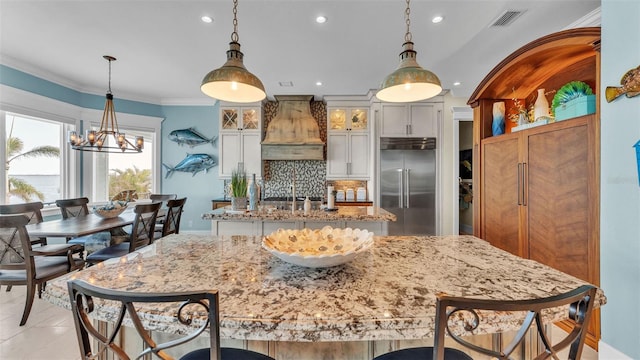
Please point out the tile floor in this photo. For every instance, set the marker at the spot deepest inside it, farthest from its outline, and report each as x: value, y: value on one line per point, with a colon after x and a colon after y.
x: 49, y: 333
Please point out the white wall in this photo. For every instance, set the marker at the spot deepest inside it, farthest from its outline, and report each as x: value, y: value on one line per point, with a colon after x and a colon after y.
x: 620, y: 189
x: 449, y: 148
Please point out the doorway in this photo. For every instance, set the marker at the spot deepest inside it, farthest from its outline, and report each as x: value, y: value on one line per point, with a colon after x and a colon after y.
x: 463, y: 176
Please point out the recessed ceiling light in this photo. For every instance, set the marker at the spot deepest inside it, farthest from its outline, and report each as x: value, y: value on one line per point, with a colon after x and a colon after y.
x: 206, y: 19
x: 321, y: 19
x: 437, y: 19
x: 318, y: 83
x: 457, y: 83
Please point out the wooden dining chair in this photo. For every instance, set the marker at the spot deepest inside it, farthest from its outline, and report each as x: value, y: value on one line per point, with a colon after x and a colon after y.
x: 142, y: 234
x: 85, y: 299
x: 460, y: 316
x: 70, y: 208
x: 31, y: 210
x: 171, y: 221
x: 22, y: 264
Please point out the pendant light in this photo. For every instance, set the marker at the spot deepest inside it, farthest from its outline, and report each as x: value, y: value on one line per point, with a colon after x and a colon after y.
x: 410, y: 82
x: 108, y: 138
x: 233, y: 82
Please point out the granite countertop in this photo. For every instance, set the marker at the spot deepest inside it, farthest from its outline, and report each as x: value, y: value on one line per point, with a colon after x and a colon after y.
x: 348, y: 213
x: 386, y: 293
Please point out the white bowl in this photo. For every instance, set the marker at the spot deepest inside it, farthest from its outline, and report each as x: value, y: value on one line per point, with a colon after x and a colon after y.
x: 318, y: 248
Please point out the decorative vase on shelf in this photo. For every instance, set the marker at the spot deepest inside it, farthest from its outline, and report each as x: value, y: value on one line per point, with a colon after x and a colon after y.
x: 541, y: 106
x: 253, y: 194
x: 497, y: 127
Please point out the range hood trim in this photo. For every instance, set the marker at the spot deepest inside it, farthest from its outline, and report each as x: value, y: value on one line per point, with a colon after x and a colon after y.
x: 292, y: 151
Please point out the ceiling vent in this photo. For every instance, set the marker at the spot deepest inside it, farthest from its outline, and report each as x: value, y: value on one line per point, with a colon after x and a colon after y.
x: 507, y: 17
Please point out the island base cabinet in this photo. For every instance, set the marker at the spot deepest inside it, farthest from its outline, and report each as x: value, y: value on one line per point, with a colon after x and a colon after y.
x: 336, y: 350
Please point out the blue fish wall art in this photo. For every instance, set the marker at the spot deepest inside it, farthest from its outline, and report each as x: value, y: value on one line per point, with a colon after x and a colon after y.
x: 190, y: 137
x: 193, y: 163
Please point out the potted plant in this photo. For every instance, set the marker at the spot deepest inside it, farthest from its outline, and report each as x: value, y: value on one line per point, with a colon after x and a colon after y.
x: 238, y: 190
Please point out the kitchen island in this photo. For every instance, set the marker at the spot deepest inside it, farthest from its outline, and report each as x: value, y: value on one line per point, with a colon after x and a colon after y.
x: 383, y: 300
x: 268, y: 220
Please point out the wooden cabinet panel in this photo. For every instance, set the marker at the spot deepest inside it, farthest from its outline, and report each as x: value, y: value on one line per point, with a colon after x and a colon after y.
x: 559, y: 163
x: 500, y: 186
x: 558, y: 200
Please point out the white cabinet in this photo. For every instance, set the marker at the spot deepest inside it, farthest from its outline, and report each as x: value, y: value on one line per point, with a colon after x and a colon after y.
x: 410, y: 120
x: 348, y: 142
x: 239, y: 139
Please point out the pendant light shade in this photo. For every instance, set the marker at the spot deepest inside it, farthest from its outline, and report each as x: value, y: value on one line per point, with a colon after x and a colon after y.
x: 233, y: 82
x: 410, y: 82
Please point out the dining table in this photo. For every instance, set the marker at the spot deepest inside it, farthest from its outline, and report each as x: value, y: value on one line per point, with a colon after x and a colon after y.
x: 382, y: 300
x: 83, y: 225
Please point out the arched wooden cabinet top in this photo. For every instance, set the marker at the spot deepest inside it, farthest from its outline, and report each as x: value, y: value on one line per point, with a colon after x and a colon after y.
x: 543, y: 63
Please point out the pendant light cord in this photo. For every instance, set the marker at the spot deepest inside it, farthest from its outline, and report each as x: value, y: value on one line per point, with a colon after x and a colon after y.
x: 234, y: 34
x: 407, y: 12
x: 109, y: 91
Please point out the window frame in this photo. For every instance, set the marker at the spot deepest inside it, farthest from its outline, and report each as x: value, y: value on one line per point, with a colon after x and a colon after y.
x: 74, y: 182
x: 125, y: 121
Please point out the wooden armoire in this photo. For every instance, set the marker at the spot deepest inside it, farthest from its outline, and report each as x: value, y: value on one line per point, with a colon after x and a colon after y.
x: 537, y: 192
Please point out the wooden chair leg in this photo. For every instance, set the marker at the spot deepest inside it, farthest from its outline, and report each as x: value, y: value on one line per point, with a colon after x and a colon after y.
x: 31, y: 292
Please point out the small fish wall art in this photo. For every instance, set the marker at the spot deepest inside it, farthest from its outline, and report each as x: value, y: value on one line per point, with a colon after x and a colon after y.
x: 637, y: 146
x: 630, y: 86
x: 193, y: 163
x: 190, y: 137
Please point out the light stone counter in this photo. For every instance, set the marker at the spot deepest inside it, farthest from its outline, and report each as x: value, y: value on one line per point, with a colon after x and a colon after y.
x: 263, y: 222
x: 345, y: 213
x: 387, y: 293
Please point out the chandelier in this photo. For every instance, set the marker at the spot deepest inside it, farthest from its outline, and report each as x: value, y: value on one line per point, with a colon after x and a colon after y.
x: 233, y: 82
x: 410, y: 82
x: 108, y: 138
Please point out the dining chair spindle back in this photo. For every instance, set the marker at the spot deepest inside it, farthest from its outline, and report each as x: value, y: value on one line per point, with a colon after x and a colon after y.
x: 22, y: 264
x: 172, y: 218
x: 460, y: 316
x: 85, y: 299
x: 70, y: 208
x: 142, y: 234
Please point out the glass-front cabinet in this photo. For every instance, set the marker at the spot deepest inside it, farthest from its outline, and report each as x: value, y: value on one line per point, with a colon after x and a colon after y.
x: 348, y: 119
x: 240, y: 136
x: 348, y: 140
x: 250, y: 119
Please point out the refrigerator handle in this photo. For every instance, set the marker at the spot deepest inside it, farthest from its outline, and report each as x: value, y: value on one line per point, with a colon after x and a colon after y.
x: 408, y: 187
x: 401, y: 192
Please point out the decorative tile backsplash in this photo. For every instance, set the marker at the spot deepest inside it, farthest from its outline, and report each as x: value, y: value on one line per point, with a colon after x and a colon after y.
x: 310, y: 178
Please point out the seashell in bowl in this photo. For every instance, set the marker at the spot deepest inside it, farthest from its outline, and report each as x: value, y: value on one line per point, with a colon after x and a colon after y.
x: 111, y: 209
x: 318, y: 248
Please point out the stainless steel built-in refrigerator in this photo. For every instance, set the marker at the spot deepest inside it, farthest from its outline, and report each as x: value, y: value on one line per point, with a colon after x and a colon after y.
x: 408, y: 184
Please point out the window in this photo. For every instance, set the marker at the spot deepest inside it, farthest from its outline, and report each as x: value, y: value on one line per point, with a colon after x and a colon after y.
x: 34, y: 158
x: 116, y: 172
x: 106, y: 174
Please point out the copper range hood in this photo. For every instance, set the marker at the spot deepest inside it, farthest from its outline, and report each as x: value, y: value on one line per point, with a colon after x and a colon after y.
x: 293, y: 133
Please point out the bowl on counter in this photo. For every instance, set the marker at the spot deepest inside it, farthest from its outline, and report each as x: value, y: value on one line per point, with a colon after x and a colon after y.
x: 111, y: 209
x: 318, y: 248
